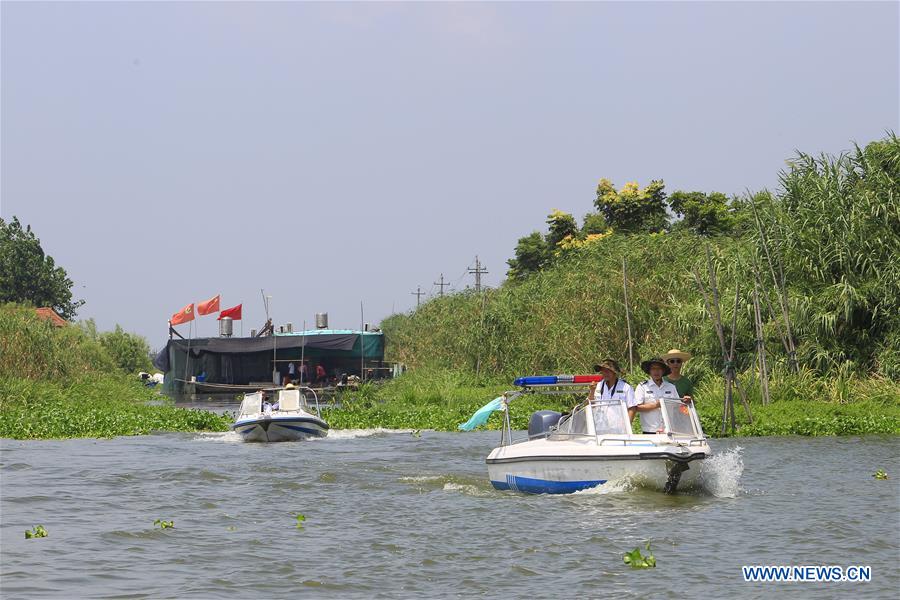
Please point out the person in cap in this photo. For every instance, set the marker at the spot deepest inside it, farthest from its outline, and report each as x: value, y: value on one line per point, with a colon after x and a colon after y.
x: 650, y: 393
x: 675, y: 359
x: 607, y: 417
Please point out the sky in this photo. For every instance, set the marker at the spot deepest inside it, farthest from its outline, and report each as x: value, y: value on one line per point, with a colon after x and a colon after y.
x: 341, y: 153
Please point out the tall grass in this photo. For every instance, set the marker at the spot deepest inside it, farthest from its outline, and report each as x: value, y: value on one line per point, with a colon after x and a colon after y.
x: 58, y: 382
x: 833, y: 231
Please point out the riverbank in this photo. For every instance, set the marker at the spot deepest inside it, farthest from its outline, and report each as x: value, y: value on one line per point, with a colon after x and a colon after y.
x: 98, y: 406
x: 71, y: 381
x: 441, y: 400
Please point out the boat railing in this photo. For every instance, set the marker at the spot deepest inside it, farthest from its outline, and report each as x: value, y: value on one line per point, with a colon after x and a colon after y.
x: 679, y: 416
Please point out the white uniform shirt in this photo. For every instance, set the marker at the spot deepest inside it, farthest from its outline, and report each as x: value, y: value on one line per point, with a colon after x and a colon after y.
x: 648, y: 391
x: 608, y: 418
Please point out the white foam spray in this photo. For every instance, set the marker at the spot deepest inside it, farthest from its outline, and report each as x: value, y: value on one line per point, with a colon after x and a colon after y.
x: 720, y: 474
x: 349, y: 434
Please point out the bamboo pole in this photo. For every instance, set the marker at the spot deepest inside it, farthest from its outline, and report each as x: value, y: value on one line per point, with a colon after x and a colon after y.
x: 741, y: 392
x: 480, y: 341
x: 780, y: 289
x: 628, y: 318
x: 761, y: 349
x: 718, y: 327
x: 715, y: 312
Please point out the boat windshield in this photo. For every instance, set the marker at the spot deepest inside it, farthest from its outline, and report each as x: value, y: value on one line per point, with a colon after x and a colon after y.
x: 610, y: 417
x: 680, y: 418
x: 252, y: 404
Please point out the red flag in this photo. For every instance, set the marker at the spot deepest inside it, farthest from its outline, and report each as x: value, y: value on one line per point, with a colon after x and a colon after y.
x: 184, y: 315
x: 210, y: 306
x: 234, y: 312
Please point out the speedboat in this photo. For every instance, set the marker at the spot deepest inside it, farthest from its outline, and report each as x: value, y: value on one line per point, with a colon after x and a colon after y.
x: 594, y: 444
x: 279, y: 415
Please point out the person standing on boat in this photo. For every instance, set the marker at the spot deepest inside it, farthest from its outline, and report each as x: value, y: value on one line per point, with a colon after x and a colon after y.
x: 650, y: 393
x: 675, y: 359
x: 607, y: 417
x: 303, y: 376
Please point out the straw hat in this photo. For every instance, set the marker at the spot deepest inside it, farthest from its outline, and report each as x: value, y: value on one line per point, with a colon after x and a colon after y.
x: 655, y: 361
x: 676, y: 353
x: 608, y: 363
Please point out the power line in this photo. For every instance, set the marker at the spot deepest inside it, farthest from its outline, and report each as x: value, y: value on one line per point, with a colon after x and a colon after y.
x: 478, y: 271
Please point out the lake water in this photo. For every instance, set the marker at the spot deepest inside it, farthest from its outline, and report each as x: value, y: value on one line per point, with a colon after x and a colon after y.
x: 390, y: 514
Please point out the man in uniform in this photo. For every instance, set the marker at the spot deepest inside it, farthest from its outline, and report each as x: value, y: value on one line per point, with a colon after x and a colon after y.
x: 608, y: 417
x: 650, y: 393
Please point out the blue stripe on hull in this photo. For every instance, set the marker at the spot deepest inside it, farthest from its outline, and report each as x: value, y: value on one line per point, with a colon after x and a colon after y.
x: 543, y: 486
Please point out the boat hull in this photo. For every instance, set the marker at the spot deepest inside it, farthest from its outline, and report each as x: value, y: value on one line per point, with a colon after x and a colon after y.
x: 544, y: 467
x: 280, y: 429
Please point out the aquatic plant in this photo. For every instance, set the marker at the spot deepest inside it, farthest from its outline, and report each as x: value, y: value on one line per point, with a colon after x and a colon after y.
x: 37, y: 531
x: 301, y: 518
x: 880, y: 474
x: 636, y: 560
x: 164, y: 524
x: 94, y: 405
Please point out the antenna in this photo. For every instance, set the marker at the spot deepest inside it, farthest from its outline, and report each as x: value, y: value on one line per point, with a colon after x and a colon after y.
x: 478, y: 271
x: 362, y: 344
x: 265, y: 302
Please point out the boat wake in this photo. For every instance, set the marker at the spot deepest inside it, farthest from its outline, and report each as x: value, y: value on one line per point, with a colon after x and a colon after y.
x: 350, y: 434
x: 467, y: 486
x: 614, y: 486
x: 720, y: 474
x: 228, y: 437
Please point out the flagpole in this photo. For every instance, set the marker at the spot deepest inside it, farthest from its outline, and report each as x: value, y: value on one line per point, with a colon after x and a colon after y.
x: 303, y: 353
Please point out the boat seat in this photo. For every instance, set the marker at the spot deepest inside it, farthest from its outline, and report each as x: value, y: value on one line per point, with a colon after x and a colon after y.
x: 289, y: 400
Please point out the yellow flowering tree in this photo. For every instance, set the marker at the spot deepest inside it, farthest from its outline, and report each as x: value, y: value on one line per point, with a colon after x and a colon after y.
x: 633, y: 209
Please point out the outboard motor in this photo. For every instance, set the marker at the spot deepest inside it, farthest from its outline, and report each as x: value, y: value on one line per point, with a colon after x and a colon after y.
x: 540, y: 423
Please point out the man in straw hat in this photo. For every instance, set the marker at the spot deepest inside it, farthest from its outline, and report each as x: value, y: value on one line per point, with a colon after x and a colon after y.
x: 650, y: 394
x: 675, y: 359
x: 607, y: 419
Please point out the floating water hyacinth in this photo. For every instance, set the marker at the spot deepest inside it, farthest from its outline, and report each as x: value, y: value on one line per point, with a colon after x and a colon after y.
x: 37, y: 531
x: 164, y: 524
x: 636, y: 560
x: 880, y: 474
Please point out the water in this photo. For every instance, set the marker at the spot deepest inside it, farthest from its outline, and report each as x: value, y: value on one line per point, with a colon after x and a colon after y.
x: 391, y: 514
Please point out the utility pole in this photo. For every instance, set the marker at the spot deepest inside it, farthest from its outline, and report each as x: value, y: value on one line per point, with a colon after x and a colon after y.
x: 442, y: 284
x: 478, y: 271
x: 418, y: 294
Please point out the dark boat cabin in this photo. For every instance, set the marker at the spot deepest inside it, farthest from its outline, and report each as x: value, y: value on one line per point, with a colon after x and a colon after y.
x: 229, y: 363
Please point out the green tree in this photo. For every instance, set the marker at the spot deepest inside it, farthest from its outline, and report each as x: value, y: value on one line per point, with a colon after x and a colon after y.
x: 130, y: 351
x: 27, y: 275
x: 561, y: 225
x: 594, y: 223
x: 704, y: 214
x: 532, y: 254
x: 633, y: 209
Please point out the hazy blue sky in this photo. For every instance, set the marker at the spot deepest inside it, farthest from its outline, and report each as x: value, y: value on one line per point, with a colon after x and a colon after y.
x: 332, y: 153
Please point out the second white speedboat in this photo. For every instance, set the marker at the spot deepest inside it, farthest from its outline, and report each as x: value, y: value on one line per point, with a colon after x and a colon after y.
x: 594, y: 445
x: 279, y: 415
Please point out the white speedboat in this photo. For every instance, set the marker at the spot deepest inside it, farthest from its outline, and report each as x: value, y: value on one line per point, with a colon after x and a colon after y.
x: 593, y: 445
x: 279, y: 415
